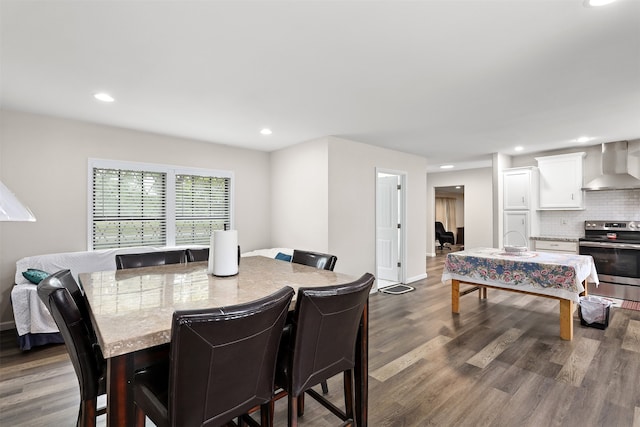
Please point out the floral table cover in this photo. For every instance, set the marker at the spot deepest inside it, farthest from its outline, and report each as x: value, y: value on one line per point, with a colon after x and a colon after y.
x: 546, y: 273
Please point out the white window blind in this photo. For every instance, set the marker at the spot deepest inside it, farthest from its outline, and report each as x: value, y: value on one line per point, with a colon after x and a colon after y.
x: 139, y: 204
x: 202, y: 205
x: 129, y: 208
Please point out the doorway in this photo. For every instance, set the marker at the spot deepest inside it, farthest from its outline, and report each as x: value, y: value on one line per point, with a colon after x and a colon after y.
x: 390, y: 233
x: 449, y: 210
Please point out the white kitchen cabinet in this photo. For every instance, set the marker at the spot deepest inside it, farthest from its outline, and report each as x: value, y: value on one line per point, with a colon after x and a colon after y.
x: 558, y: 246
x: 520, y: 188
x: 560, y: 182
x: 519, y: 226
x: 520, y: 191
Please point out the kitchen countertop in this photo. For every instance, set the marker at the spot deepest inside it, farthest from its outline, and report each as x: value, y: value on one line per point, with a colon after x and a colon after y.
x: 555, y: 238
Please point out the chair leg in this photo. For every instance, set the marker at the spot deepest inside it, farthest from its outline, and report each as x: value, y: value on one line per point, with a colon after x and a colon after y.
x: 266, y: 417
x: 325, y: 387
x: 139, y: 417
x: 87, y: 413
x: 292, y: 411
x: 348, y: 393
x: 301, y: 405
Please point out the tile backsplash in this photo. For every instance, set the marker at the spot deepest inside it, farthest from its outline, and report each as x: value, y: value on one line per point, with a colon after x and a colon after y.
x: 599, y: 205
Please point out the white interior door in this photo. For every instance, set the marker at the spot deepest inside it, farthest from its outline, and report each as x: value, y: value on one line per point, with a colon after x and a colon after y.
x: 387, y: 231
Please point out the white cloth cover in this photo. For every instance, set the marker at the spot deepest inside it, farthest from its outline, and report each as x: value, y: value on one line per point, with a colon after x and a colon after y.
x: 269, y: 253
x: 29, y: 313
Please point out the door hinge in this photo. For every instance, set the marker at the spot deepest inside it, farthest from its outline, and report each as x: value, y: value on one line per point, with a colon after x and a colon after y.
x: 399, y: 187
x: 399, y: 264
x: 399, y: 225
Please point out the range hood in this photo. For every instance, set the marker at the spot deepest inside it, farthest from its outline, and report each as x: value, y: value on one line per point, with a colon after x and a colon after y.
x: 620, y: 167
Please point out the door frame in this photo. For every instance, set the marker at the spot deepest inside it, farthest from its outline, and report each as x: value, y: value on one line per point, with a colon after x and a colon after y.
x: 402, y: 219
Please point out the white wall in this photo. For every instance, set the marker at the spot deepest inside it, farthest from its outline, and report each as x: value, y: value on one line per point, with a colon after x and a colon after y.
x: 352, y: 206
x: 33, y: 146
x: 478, y: 205
x: 300, y: 191
x: 324, y: 200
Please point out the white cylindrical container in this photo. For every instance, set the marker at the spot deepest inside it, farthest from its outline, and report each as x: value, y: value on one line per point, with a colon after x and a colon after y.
x: 224, y: 251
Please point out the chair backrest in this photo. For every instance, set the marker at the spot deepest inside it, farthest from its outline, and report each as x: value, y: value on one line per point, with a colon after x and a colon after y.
x: 73, y: 327
x: 195, y: 255
x: 77, y: 293
x: 314, y: 259
x: 148, y: 259
x: 223, y: 359
x: 325, y: 328
x: 440, y: 227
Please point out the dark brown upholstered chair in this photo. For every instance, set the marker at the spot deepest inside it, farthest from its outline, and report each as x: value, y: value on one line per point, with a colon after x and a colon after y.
x: 314, y: 259
x: 195, y: 255
x: 320, y: 343
x: 317, y: 260
x: 222, y: 364
x: 79, y: 339
x: 148, y: 259
x: 443, y: 236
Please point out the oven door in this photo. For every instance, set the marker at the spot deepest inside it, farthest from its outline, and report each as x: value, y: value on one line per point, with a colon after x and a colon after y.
x: 615, y: 262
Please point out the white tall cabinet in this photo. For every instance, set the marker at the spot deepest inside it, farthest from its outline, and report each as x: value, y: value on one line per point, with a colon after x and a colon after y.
x: 520, y: 190
x: 561, y: 182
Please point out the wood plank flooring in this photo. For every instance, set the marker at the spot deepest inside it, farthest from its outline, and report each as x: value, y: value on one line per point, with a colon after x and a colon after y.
x: 500, y: 362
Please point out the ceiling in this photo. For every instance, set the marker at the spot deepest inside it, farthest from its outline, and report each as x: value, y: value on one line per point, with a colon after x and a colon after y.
x: 453, y: 81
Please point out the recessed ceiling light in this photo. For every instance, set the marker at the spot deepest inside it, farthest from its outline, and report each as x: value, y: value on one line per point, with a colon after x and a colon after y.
x: 104, y: 97
x: 596, y: 3
x: 446, y: 167
x: 519, y: 148
x: 583, y: 139
x: 458, y: 187
x: 266, y: 131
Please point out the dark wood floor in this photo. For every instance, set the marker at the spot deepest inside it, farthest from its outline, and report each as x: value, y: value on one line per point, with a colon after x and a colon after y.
x: 499, y: 363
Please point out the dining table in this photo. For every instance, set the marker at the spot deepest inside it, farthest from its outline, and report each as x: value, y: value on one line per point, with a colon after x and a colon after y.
x: 546, y: 274
x: 131, y: 311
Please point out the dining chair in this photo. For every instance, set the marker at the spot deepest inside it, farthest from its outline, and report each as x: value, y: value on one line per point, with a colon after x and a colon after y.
x: 314, y: 259
x: 79, y: 339
x: 147, y: 259
x: 317, y: 260
x: 222, y: 365
x: 195, y: 255
x: 320, y: 343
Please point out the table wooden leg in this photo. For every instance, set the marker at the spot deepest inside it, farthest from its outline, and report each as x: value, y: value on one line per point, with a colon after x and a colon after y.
x: 455, y: 296
x: 566, y: 319
x: 362, y: 370
x: 120, y: 408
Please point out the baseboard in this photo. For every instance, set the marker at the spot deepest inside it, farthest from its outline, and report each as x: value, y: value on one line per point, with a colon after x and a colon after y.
x: 7, y: 325
x: 416, y: 278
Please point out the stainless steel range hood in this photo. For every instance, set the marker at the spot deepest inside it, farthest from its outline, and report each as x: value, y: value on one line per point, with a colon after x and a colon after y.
x: 620, y: 167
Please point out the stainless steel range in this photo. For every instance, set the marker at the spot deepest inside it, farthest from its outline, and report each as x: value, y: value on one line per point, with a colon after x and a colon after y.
x: 615, y: 248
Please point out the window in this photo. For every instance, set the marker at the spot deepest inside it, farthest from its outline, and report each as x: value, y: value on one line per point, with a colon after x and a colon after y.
x: 134, y: 204
x: 202, y: 205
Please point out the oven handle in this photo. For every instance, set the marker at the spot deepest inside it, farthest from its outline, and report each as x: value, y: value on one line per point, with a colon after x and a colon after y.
x: 610, y: 245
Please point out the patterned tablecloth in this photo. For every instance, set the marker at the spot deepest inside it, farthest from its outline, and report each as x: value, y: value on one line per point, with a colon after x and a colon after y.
x: 545, y: 273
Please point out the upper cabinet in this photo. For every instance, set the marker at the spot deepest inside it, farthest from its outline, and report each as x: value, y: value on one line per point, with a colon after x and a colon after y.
x: 520, y: 188
x: 561, y: 182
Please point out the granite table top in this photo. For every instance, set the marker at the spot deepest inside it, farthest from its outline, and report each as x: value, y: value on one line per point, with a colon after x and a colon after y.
x: 132, y: 308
